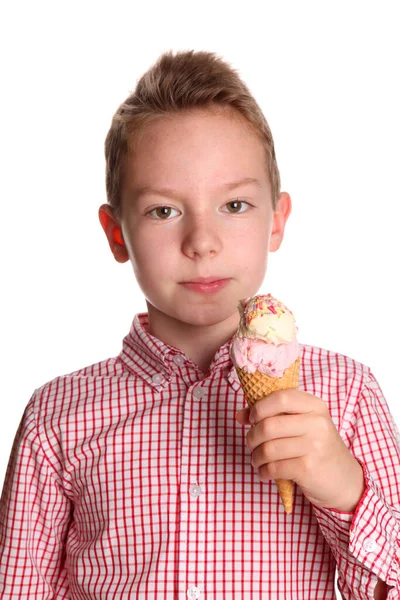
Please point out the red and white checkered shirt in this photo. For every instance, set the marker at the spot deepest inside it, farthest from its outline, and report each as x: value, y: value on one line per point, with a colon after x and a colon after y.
x: 132, y: 479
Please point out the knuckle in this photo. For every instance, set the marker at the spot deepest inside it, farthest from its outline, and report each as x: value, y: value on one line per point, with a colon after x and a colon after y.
x: 262, y: 472
x: 263, y: 454
x: 306, y: 463
x: 283, y: 400
x: 323, y: 424
x: 271, y: 451
x: 316, y: 445
x: 272, y: 469
x: 266, y: 428
x: 249, y: 440
x: 254, y: 414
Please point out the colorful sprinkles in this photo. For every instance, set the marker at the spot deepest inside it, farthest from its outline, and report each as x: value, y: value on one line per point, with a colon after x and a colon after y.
x: 264, y: 305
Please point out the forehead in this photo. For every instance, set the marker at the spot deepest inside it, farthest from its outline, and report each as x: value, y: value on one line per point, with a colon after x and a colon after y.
x: 197, y: 150
x: 195, y: 121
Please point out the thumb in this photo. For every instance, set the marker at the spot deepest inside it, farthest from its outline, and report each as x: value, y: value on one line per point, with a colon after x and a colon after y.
x: 242, y: 416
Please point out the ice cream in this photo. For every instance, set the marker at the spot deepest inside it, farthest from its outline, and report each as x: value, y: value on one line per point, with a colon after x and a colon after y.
x: 265, y: 352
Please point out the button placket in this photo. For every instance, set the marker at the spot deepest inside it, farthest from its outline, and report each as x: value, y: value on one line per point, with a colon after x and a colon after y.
x: 192, y: 518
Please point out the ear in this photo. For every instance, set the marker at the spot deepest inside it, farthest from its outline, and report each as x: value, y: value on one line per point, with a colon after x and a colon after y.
x: 281, y: 215
x: 112, y: 229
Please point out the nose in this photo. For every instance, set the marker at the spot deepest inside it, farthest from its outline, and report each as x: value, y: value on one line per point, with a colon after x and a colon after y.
x: 201, y: 238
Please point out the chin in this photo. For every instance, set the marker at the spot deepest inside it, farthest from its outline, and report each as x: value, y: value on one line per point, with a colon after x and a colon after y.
x: 207, y: 316
x: 199, y: 311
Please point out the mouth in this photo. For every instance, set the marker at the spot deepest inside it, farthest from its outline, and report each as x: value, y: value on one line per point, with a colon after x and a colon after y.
x: 205, y: 284
x: 205, y: 280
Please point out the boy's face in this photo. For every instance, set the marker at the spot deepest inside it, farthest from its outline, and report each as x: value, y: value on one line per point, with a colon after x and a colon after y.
x: 180, y: 220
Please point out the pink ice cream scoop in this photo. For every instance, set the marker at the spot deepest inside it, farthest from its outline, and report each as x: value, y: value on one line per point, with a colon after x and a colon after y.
x: 256, y: 355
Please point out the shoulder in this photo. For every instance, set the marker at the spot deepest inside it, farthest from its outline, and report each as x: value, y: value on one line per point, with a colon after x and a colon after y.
x: 336, y: 378
x: 322, y: 363
x: 66, y: 393
x: 78, y: 406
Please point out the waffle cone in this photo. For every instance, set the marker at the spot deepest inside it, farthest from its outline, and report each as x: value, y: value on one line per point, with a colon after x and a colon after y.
x: 258, y: 385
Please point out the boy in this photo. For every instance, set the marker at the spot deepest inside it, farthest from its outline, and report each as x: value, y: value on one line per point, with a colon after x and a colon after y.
x: 132, y: 478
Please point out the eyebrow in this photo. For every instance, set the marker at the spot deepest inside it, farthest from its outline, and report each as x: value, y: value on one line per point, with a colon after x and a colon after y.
x: 170, y: 193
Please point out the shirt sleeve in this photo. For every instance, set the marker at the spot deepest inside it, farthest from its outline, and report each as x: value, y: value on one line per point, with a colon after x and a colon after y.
x: 366, y: 543
x: 34, y: 518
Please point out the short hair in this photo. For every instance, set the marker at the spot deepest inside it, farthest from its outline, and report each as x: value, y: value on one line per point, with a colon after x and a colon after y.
x: 184, y: 81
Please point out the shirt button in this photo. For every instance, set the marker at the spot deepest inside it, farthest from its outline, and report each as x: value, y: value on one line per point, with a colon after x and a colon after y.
x: 193, y: 592
x: 178, y: 360
x: 198, y: 393
x: 158, y: 378
x: 369, y: 545
x: 195, y: 490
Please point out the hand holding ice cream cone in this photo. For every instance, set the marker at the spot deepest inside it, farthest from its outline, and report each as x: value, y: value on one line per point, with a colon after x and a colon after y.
x: 293, y: 437
x: 303, y: 445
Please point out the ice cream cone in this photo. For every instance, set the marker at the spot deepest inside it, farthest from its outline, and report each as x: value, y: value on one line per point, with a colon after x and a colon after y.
x: 259, y: 385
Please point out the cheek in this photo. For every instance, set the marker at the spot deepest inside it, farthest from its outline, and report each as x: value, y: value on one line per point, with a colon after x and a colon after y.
x: 151, y: 255
x: 250, y: 253
x: 251, y: 243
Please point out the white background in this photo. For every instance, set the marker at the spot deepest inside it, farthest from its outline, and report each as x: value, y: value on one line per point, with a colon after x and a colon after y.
x: 326, y: 76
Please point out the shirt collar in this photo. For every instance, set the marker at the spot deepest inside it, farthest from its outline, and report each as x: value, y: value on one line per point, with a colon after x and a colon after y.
x: 156, y: 362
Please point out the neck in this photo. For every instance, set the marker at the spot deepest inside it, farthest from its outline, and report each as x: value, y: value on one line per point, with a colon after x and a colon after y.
x: 199, y: 342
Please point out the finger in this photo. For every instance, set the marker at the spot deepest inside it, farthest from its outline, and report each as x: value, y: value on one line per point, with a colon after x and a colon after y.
x: 282, y: 426
x: 286, y: 401
x: 281, y: 469
x: 242, y: 416
x: 281, y: 449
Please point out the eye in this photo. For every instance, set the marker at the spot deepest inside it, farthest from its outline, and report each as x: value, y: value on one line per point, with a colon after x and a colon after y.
x: 237, y: 206
x: 162, y: 212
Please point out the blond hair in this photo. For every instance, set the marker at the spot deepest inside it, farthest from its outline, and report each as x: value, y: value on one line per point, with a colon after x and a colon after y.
x: 185, y: 81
